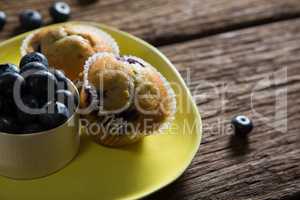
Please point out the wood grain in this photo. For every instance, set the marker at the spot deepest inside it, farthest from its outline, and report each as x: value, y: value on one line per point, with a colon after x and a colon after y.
x: 222, y: 72
x: 163, y: 22
x: 236, y: 65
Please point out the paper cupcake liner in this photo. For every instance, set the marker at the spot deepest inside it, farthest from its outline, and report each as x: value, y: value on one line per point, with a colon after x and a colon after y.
x: 25, y: 43
x: 167, y: 123
x: 114, y: 139
x: 106, y: 37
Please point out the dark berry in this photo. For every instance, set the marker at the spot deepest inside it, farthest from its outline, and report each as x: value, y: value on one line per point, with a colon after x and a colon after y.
x: 65, y: 97
x: 60, y: 11
x: 10, y: 81
x: 7, y: 124
x: 41, y: 84
x: 2, y: 99
x: 28, y: 109
x: 134, y: 61
x: 2, y: 19
x: 9, y: 106
x: 68, y: 98
x: 61, y: 79
x: 31, y: 19
x: 33, y: 128
x: 8, y: 67
x: 242, y: 125
x: 34, y: 57
x: 55, y: 115
x: 31, y: 68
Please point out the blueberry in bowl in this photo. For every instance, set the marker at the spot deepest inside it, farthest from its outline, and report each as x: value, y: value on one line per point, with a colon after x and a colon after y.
x: 33, y: 66
x: 8, y: 67
x: 34, y: 57
x: 62, y: 82
x: 39, y: 134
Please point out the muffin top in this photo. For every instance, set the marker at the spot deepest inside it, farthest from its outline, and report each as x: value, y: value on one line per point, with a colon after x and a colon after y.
x: 113, y: 80
x: 68, y: 46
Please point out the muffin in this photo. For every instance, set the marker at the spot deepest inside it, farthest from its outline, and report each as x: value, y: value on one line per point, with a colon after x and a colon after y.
x: 126, y: 98
x: 68, y: 46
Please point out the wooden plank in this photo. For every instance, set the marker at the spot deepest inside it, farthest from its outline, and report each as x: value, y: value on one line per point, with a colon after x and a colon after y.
x: 162, y: 22
x: 224, y: 71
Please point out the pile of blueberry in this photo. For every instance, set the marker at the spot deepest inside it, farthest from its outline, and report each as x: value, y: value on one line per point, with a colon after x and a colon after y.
x: 31, y: 19
x: 34, y: 98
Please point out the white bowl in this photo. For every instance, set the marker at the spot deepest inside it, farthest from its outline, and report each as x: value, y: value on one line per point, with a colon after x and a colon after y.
x: 28, y: 156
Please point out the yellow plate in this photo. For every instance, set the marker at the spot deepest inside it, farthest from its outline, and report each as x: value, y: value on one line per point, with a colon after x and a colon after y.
x: 127, y: 173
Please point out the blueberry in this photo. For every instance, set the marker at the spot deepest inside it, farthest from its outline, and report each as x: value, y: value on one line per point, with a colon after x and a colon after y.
x: 40, y: 83
x: 61, y: 79
x: 32, y: 67
x: 60, y: 11
x: 68, y: 98
x: 8, y: 106
x: 2, y: 19
x: 2, y: 100
x: 7, y: 124
x: 34, y: 57
x: 8, y: 67
x: 242, y: 125
x: 33, y: 128
x: 55, y: 115
x: 24, y: 115
x: 30, y: 19
x: 8, y: 81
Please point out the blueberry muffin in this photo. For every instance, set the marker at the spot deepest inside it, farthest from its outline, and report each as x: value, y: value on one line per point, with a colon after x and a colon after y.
x: 147, y: 100
x: 68, y: 46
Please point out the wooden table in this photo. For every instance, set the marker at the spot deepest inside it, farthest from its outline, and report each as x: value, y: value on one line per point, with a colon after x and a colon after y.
x: 239, y: 57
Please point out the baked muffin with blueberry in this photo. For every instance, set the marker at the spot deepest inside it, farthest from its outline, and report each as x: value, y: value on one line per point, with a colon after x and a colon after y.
x: 68, y: 46
x: 143, y: 101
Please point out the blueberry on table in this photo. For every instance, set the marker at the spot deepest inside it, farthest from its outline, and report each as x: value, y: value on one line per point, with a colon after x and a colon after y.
x: 30, y: 19
x: 9, y: 81
x: 55, y: 115
x: 242, y: 125
x: 2, y: 19
x: 61, y: 79
x: 8, y: 67
x: 34, y: 57
x: 27, y: 109
x: 32, y: 67
x: 60, y: 11
x: 41, y: 83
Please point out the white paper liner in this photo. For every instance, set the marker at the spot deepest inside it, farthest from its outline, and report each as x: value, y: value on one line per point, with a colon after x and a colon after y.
x: 165, y: 125
x: 25, y: 43
x: 168, y: 121
x: 106, y: 37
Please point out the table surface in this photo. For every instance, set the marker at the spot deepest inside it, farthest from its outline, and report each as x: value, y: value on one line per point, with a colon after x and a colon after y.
x: 238, y: 57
